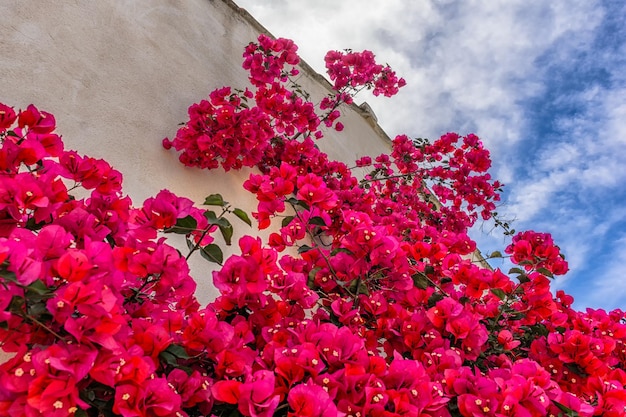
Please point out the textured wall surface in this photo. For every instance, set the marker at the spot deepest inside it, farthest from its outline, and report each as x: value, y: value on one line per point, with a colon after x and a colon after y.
x: 120, y: 75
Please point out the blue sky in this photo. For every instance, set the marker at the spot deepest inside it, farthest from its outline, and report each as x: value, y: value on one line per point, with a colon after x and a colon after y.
x: 543, y: 84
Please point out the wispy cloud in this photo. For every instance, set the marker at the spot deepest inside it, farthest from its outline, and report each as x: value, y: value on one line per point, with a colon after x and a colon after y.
x: 606, y: 288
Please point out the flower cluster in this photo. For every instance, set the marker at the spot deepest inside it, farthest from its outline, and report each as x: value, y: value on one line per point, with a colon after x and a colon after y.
x: 377, y: 309
x: 221, y: 129
x: 535, y: 250
x: 250, y: 128
x: 266, y: 60
x: 357, y: 69
x: 91, y: 300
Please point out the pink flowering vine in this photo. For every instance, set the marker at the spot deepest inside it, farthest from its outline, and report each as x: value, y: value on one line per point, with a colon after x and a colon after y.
x: 377, y: 309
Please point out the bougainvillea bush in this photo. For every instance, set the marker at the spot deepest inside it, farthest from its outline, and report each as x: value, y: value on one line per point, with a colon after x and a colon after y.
x: 364, y: 301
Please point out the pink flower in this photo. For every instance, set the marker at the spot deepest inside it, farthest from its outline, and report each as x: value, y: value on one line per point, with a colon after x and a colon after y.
x: 37, y: 121
x: 54, y: 396
x: 313, y: 191
x: 73, y: 265
x: 505, y: 338
x: 256, y: 395
x: 537, y: 250
x: 227, y: 391
x: 310, y: 400
x: 7, y: 117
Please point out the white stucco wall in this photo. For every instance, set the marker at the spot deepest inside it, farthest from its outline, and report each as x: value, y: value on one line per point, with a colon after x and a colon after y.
x: 120, y: 75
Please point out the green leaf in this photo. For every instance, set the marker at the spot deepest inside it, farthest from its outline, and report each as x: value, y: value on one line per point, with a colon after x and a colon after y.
x: 317, y: 220
x: 242, y: 215
x: 38, y: 287
x: 16, y: 305
x: 357, y: 287
x: 210, y: 216
x: 541, y: 330
x: 31, y: 224
x: 110, y: 240
x: 8, y: 275
x: 177, y: 350
x: 521, y: 277
x: 496, y: 254
x: 286, y: 221
x: 37, y: 308
x: 215, y: 200
x: 545, y: 272
x: 212, y: 253
x: 304, y: 248
x: 338, y: 250
x: 568, y: 411
x: 37, y: 293
x: 223, y: 221
x: 498, y: 293
x: 295, y: 202
x: 311, y: 279
x: 227, y: 230
x: 12, y: 133
x: 420, y: 280
x: 464, y: 300
x: 434, y: 299
x: 518, y: 315
x: 183, y: 226
x: 168, y: 358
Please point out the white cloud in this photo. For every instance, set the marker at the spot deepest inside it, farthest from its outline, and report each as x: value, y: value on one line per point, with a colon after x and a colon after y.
x: 561, y: 154
x: 607, y: 287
